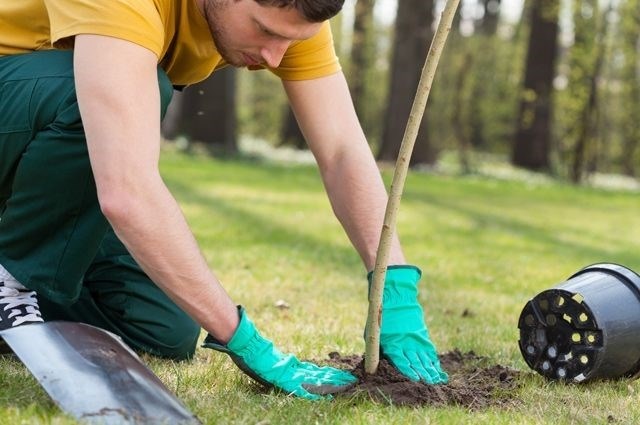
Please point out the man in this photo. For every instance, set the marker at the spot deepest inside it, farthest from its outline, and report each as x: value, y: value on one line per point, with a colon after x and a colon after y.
x: 89, y: 231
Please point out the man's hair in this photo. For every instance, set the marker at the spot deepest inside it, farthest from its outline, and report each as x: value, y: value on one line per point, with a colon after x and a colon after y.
x: 312, y: 10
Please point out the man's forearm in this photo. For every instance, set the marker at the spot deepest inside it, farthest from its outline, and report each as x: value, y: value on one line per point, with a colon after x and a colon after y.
x: 156, y: 234
x: 325, y: 113
x: 120, y: 113
x: 359, y: 200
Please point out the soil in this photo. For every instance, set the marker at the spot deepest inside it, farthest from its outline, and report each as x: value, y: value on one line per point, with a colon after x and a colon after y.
x: 473, y: 383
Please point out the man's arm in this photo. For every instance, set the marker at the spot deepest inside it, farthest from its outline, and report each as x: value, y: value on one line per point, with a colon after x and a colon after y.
x: 327, y: 118
x: 328, y: 121
x: 118, y: 95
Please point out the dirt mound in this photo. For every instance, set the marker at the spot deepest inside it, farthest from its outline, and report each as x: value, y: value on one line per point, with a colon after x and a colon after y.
x: 473, y: 383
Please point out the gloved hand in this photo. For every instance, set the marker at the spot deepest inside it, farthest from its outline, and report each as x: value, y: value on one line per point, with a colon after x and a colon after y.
x: 261, y: 360
x: 404, y: 338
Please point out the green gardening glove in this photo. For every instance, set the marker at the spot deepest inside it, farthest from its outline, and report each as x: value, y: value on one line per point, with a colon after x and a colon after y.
x: 261, y: 360
x: 404, y: 338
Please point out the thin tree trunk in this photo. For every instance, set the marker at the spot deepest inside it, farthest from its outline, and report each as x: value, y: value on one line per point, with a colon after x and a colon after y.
x: 425, y: 80
x: 361, y: 54
x: 457, y: 120
x: 588, y: 118
x: 631, y: 132
x: 290, y: 134
x: 532, y: 143
x: 489, y: 23
x: 413, y: 35
x: 206, y: 112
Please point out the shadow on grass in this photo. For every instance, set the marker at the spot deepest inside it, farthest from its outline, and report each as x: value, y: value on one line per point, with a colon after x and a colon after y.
x: 538, y: 235
x: 254, y: 228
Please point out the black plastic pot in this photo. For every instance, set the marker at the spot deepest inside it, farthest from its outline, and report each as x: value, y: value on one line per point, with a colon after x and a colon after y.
x: 587, y: 327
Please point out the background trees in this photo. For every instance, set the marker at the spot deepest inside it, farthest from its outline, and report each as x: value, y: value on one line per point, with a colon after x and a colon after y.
x: 548, y: 85
x: 532, y: 139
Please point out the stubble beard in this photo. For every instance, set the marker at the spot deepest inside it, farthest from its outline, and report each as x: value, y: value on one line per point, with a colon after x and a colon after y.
x: 218, y: 29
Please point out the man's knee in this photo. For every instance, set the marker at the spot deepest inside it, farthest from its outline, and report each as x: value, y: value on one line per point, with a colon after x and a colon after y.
x: 177, y: 341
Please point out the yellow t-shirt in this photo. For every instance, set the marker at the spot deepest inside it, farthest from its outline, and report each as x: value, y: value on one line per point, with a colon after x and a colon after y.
x: 174, y: 30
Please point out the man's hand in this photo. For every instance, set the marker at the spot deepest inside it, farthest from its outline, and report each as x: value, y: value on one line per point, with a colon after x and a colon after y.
x: 261, y: 360
x: 404, y: 338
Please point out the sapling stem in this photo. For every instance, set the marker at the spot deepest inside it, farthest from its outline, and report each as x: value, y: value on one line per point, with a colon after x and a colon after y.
x: 374, y: 319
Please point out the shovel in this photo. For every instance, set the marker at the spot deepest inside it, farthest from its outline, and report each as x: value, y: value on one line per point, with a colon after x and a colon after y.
x: 92, y: 375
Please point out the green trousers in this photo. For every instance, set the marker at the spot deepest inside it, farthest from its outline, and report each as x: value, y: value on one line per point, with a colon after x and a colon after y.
x: 53, y: 236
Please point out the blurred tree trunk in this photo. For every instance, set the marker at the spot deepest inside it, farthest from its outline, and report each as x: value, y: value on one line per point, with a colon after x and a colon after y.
x: 361, y: 55
x: 206, y: 112
x: 587, y: 120
x: 412, y: 38
x: 488, y: 25
x: 532, y: 143
x: 484, y: 71
x: 290, y: 134
x: 630, y: 31
x: 460, y: 130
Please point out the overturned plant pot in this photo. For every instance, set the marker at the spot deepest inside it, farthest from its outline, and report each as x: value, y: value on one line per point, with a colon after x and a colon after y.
x: 586, y: 328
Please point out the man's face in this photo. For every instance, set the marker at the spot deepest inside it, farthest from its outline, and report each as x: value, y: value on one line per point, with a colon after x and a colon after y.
x: 246, y: 33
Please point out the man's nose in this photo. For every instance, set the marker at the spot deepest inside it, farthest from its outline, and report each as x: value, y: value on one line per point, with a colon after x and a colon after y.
x: 273, y: 53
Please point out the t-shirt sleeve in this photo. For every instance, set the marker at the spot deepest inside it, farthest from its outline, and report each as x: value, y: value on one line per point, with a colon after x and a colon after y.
x: 308, y: 59
x: 137, y: 21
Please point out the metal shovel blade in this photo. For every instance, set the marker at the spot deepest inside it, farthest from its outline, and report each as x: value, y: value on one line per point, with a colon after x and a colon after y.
x: 92, y: 375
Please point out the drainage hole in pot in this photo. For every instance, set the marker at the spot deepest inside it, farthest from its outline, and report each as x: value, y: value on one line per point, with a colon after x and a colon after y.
x: 576, y: 337
x: 529, y: 320
x: 566, y: 357
x: 551, y: 319
x: 561, y: 372
x: 584, y: 359
x: 566, y: 318
x: 577, y: 298
x: 583, y: 317
x: 559, y: 301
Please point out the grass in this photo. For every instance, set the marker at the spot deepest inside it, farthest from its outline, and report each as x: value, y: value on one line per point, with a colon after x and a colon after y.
x: 485, y: 245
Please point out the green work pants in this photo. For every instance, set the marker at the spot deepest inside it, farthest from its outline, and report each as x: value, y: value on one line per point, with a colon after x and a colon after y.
x: 53, y: 236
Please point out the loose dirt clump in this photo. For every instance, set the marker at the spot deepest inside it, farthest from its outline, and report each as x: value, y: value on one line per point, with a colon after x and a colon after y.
x: 473, y: 383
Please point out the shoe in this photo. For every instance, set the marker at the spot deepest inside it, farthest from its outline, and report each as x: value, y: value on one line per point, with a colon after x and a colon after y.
x: 18, y: 305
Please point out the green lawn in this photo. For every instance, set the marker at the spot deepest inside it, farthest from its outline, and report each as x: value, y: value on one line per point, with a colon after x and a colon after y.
x: 486, y: 246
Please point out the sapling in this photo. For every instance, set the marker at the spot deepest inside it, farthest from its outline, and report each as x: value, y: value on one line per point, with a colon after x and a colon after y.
x: 374, y: 319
